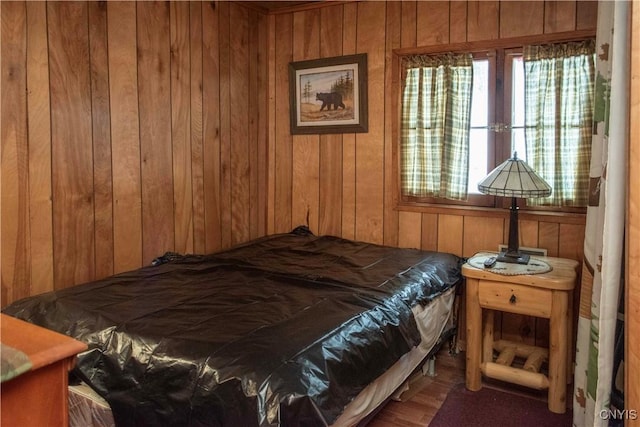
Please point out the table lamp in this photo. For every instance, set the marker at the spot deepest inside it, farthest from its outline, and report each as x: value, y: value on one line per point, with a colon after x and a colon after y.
x: 514, y: 178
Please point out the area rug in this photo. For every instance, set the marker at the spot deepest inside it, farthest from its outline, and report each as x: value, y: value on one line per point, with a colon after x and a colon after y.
x: 490, y: 407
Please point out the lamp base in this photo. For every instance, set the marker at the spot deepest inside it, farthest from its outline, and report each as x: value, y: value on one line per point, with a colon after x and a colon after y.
x: 513, y: 258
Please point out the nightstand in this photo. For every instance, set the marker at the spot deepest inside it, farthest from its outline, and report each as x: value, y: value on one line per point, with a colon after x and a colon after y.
x: 37, y: 397
x: 547, y: 295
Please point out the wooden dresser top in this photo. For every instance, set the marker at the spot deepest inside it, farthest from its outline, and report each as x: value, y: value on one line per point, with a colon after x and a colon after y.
x: 41, y: 345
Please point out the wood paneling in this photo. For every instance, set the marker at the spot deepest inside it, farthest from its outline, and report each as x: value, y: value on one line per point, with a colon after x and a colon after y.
x: 239, y: 148
x: 483, y: 20
x: 586, y: 14
x: 521, y: 18
x: 178, y: 134
x: 482, y: 234
x: 393, y: 41
x: 110, y: 158
x: 16, y: 262
x: 458, y: 22
x: 349, y: 140
x: 39, y: 131
x: 330, y: 169
x: 366, y: 205
x: 181, y: 77
x: 154, y: 103
x: 257, y: 158
x: 361, y: 193
x: 211, y: 126
x: 450, y: 233
x: 198, y: 195
x: 548, y: 237
x: 559, y: 16
x: 306, y: 148
x: 408, y: 24
x: 102, y: 158
x: 125, y: 136
x: 370, y: 145
x: 71, y: 143
x: 283, y: 160
x: 432, y: 23
x: 224, y: 79
x: 429, y: 234
x: 128, y: 129
x: 407, y: 237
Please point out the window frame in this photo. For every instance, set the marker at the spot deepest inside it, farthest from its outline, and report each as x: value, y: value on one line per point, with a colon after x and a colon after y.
x: 499, y: 143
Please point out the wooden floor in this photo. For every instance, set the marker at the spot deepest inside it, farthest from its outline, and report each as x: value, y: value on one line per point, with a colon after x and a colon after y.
x: 420, y: 409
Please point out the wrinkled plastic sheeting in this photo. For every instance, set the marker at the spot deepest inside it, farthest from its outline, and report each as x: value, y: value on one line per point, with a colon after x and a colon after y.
x: 284, y: 330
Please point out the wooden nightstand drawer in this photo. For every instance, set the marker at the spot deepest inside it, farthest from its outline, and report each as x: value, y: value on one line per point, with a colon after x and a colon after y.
x: 515, y: 298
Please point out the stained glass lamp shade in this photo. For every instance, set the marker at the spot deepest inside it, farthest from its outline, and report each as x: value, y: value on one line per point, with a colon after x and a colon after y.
x: 516, y: 179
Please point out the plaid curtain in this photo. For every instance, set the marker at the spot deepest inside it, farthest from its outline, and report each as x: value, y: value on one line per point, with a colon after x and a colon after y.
x: 436, y: 111
x: 558, y: 118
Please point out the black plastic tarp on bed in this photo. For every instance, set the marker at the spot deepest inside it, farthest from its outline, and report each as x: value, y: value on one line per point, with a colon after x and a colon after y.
x: 284, y: 330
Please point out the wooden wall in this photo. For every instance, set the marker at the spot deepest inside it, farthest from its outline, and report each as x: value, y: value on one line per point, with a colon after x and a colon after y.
x: 128, y: 129
x: 131, y: 129
x: 343, y: 184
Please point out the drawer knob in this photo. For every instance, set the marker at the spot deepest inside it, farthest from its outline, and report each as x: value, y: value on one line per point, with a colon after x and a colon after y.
x: 512, y: 300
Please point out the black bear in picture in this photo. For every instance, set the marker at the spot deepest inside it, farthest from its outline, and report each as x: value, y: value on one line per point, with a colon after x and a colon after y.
x: 329, y: 99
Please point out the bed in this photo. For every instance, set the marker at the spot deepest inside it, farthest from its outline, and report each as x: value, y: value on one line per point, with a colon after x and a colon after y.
x: 287, y: 330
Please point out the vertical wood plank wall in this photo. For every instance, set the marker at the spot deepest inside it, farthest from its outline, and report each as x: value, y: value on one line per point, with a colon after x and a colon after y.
x: 134, y: 128
x: 342, y: 184
x: 128, y: 129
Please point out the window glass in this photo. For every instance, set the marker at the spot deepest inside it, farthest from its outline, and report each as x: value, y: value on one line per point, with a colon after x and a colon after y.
x: 517, y: 108
x: 479, y: 141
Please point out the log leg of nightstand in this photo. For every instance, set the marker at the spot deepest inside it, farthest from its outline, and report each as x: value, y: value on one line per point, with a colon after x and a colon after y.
x: 474, y: 336
x: 487, y: 337
x: 570, y: 348
x: 558, y: 333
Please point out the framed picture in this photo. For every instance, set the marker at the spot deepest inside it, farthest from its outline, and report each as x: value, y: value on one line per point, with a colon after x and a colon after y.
x: 329, y: 95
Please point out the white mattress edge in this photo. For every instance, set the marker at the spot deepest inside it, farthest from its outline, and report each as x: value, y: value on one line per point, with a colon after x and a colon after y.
x: 431, y: 320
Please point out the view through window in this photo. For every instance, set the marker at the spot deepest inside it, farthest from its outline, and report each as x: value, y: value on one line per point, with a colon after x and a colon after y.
x: 481, y: 115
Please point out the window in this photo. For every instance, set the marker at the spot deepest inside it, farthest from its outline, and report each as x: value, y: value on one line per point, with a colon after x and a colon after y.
x: 558, y: 144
